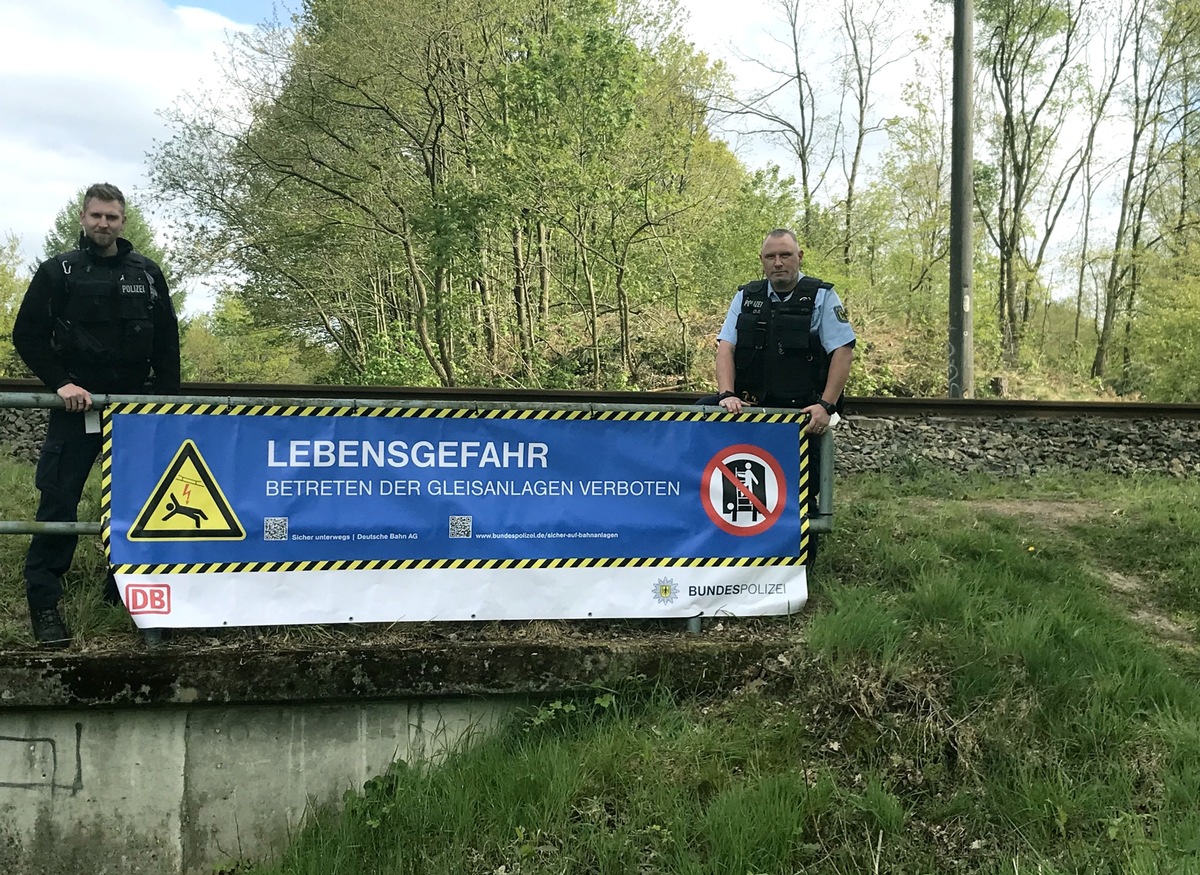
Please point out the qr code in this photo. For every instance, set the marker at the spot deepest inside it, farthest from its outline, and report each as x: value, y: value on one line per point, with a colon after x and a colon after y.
x: 460, y: 527
x: 275, y: 528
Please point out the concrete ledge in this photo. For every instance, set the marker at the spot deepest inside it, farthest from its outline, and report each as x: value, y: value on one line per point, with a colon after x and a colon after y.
x: 178, y: 676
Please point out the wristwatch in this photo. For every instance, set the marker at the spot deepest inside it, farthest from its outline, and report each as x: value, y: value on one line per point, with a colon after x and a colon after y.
x: 827, y: 407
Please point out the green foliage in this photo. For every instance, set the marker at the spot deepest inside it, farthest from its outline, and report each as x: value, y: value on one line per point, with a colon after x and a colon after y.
x: 13, y: 283
x: 1167, y: 365
x: 529, y: 197
x: 225, y: 345
x: 558, y: 712
x: 515, y: 194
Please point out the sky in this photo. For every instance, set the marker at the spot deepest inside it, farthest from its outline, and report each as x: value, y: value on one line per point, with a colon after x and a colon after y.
x: 85, y: 83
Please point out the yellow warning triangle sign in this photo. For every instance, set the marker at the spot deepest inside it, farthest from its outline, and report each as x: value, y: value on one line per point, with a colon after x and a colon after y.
x: 187, y: 505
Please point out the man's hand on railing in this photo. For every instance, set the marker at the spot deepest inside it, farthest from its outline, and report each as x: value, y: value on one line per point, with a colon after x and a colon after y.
x: 76, y: 398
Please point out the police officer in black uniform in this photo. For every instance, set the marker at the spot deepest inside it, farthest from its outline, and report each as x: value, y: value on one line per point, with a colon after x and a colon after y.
x: 96, y: 319
x: 786, y: 342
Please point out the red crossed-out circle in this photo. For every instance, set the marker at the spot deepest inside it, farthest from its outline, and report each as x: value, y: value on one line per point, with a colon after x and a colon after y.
x: 717, y: 472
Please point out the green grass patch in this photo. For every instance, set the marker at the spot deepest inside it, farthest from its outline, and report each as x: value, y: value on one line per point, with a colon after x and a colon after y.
x: 93, y: 623
x: 968, y: 692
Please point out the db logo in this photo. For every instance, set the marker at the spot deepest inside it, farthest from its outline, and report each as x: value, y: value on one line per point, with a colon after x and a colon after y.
x: 148, y: 598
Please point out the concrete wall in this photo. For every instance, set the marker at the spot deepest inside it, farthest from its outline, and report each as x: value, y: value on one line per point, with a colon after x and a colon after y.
x: 185, y: 789
x: 173, y: 763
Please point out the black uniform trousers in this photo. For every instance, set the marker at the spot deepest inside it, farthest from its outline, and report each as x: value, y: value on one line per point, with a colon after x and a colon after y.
x: 66, y: 459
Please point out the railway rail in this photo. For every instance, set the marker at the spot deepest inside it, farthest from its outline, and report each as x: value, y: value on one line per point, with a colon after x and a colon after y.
x: 874, y: 406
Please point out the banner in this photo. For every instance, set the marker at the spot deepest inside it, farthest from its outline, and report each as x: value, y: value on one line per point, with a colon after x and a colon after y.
x: 271, y: 515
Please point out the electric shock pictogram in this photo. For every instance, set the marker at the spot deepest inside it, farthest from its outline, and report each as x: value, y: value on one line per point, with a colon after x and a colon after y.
x: 187, y: 504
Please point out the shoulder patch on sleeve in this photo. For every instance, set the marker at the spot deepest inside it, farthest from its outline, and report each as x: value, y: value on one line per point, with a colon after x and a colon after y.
x: 840, y: 312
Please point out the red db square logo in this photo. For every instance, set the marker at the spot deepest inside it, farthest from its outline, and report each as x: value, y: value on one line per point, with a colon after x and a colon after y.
x: 148, y: 598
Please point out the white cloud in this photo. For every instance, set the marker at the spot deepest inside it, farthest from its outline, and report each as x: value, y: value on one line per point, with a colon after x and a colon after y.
x: 85, y: 83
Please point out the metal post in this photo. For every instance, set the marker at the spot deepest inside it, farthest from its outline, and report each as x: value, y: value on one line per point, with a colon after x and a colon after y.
x: 31, y: 527
x: 962, y: 183
x: 822, y: 521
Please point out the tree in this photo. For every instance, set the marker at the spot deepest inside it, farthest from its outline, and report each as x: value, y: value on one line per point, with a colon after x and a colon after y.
x: 13, y: 283
x: 500, y: 189
x: 224, y: 345
x: 1165, y: 331
x: 903, y: 236
x: 871, y: 47
x: 789, y: 111
x: 1029, y: 53
x: 1154, y: 204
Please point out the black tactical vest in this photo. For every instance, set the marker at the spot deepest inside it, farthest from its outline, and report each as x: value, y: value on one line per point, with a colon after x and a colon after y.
x: 104, y: 324
x: 778, y: 360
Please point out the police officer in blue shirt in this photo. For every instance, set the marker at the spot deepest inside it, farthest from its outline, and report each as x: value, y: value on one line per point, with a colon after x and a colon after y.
x: 786, y: 340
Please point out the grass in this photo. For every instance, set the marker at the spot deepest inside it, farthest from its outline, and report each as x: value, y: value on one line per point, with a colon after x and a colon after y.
x: 94, y: 623
x: 969, y: 692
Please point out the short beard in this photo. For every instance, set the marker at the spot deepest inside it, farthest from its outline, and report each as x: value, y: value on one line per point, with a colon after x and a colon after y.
x: 93, y: 243
x: 787, y: 291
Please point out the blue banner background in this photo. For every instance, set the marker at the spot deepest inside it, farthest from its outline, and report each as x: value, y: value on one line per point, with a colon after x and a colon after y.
x: 235, y: 448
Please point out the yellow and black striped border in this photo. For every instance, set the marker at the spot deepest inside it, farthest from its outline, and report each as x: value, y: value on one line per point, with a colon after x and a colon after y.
x: 805, y: 496
x: 648, y: 415
x: 455, y: 564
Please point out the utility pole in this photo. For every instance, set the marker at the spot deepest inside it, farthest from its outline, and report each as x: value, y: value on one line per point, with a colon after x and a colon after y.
x: 962, y: 209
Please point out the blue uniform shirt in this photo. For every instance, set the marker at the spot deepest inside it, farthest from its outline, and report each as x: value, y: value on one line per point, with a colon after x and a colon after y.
x: 832, y: 331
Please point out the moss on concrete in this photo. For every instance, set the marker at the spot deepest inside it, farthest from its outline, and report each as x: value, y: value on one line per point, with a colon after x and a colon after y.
x: 178, y: 676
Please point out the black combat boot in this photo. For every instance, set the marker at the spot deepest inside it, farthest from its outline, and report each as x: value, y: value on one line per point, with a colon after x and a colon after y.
x: 49, y: 630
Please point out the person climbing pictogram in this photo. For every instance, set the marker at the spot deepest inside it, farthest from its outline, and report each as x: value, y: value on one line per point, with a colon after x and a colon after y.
x: 751, y: 475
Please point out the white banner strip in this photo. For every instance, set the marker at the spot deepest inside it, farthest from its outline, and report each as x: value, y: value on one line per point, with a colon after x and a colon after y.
x: 300, y: 597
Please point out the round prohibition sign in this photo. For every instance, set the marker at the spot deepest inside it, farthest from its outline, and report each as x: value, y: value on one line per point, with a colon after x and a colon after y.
x: 743, y: 490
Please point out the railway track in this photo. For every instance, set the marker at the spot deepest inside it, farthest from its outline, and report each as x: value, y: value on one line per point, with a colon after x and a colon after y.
x: 871, y: 406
